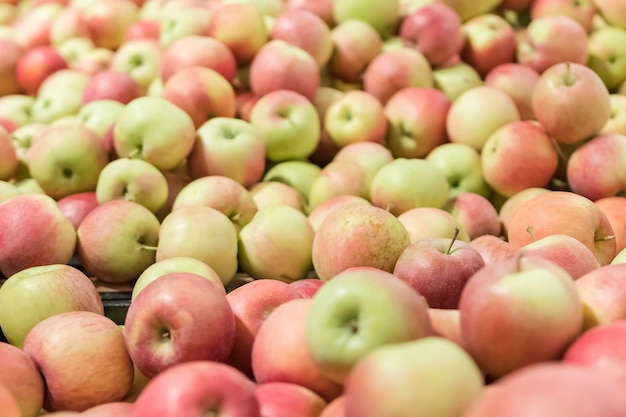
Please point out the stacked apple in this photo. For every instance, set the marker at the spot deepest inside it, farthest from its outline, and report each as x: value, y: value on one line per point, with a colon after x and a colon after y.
x: 331, y: 208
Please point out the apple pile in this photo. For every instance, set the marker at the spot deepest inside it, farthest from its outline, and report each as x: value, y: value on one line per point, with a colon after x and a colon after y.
x: 322, y: 208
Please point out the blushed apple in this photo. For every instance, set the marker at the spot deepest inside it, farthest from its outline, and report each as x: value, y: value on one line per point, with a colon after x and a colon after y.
x: 283, y: 399
x: 339, y: 178
x: 613, y: 208
x: 432, y: 223
x: 355, y: 45
x: 601, y: 291
x: 318, y: 214
x: 380, y: 15
x: 139, y: 58
x: 35, y: 65
x: 107, y: 22
x: 582, y: 11
x: 518, y: 81
x: 491, y: 248
x: 273, y: 193
x: 613, y: 12
x: 76, y: 206
x: 111, y: 85
x: 12, y: 51
x: 475, y: 213
x: 22, y: 380
x: 305, y: 30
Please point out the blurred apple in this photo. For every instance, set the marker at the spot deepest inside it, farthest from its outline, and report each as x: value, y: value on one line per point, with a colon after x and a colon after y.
x: 111, y: 85
x: 9, y: 403
x: 318, y: 214
x: 355, y: 45
x: 110, y: 409
x: 35, y: 65
x: 296, y: 173
x: 614, y: 209
x: 582, y: 11
x: 283, y: 399
x: 617, y: 120
x: 518, y: 81
x: 305, y: 30
x: 107, y: 22
x: 139, y: 58
x: 454, y: 79
x: 612, y: 11
x: 76, y: 206
x: 601, y: 291
x: 11, y: 53
x: 273, y: 193
x: 491, y: 248
x: 380, y: 15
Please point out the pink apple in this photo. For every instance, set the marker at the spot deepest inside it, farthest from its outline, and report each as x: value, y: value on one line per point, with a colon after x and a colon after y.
x: 322, y: 8
x: 339, y: 178
x: 491, y: 248
x: 110, y: 409
x: 510, y: 204
x: 111, y: 85
x: 143, y: 29
x: 252, y: 303
x: 518, y: 81
x: 614, y: 208
x: 435, y: 30
x: 432, y: 223
x: 22, y: 379
x: 612, y: 11
x: 32, y: 26
x: 76, y: 206
x: 355, y: 45
x: 306, y: 287
x: 371, y: 155
x: 395, y: 69
x: 175, y: 391
x: 201, y: 92
x: 194, y: 51
x: 286, y: 327
x: 35, y: 65
x: 52, y: 237
x: 158, y: 331
x: 601, y: 291
x: 11, y: 53
x: 108, y: 21
x: 582, y: 11
x: 556, y: 102
x: 417, y: 121
x: 322, y: 210
x: 476, y: 214
x: 9, y: 403
x: 438, y: 268
x: 284, y: 399
x: 306, y: 30
x: 446, y: 323
x: 61, y: 346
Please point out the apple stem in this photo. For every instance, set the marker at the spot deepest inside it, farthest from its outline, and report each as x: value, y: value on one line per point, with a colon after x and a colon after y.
x: 531, y: 231
x: 569, y: 78
x: 605, y: 238
x: 148, y: 247
x: 518, y: 263
x: 134, y: 153
x: 454, y: 237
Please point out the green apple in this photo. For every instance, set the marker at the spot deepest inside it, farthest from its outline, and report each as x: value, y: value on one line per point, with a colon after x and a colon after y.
x: 370, y: 155
x: 117, y: 241
x: 203, y: 233
x: 617, y: 121
x: 380, y: 14
x: 359, y: 310
x: 455, y: 79
x: 23, y: 138
x: 135, y: 180
x: 186, y: 21
x: 272, y: 193
x: 67, y: 159
x: 403, y: 184
x: 444, y: 379
x: 339, y: 178
x: 277, y: 244
x: 298, y: 174
x: 176, y: 264
x: 17, y: 108
x: 99, y: 115
x: 73, y: 48
x: 51, y: 105
x: 607, y: 55
x: 156, y: 130
x: 8, y: 190
x: 141, y: 59
x: 461, y: 165
x: 65, y: 80
x: 288, y: 123
x: 52, y: 289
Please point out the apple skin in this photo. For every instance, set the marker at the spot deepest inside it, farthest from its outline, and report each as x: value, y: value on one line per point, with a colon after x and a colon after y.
x: 11, y: 53
x: 9, y: 403
x: 111, y: 85
x: 598, y: 349
x: 381, y: 15
x: 8, y: 156
x: 35, y: 65
x: 228, y: 147
x: 116, y: 240
x: 459, y: 383
x: 318, y: 214
x: 52, y: 236
x: 202, y: 51
x: 435, y: 30
x: 613, y: 12
x: 339, y: 178
x: 194, y: 387
x: 322, y: 8
x: 283, y: 399
x: 432, y: 223
x: 475, y: 213
x: 273, y: 193
x: 607, y: 55
x: 108, y: 22
x: 617, y: 121
x: 252, y: 303
x: 227, y: 18
x: 59, y: 350
x: 466, y: 122
x: 614, y: 208
x: 417, y: 121
x: 563, y: 212
x: 22, y: 380
x: 512, y: 296
x: 306, y: 30
x: 438, y: 269
x: 340, y: 334
x: 392, y: 70
x: 282, y: 66
x: 595, y: 169
x: 141, y: 59
x: 76, y: 206
x: 583, y: 12
x: 294, y: 364
x: 179, y: 317
x: 143, y: 29
x: 509, y: 206
x: 357, y: 235
x: 518, y: 81
x: 601, y: 291
x: 491, y: 248
x: 559, y: 105
x: 355, y: 45
x: 110, y: 409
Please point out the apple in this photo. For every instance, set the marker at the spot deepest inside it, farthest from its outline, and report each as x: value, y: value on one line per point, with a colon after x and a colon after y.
x: 435, y: 30
x: 283, y: 399
x: 94, y: 61
x: 8, y: 190
x: 289, y: 124
x: 154, y: 129
x: 141, y: 59
x: 555, y: 99
x: 370, y: 155
x: 335, y: 408
x: 221, y: 193
x: 8, y: 156
x: 381, y: 15
x: 467, y: 121
x: 339, y: 178
x: 252, y: 303
x: 518, y: 81
x: 320, y: 212
x: 459, y: 381
x: 276, y: 244
x: 306, y: 287
x: 475, y: 213
x: 306, y: 30
x: 110, y: 409
x: 601, y: 291
x: 182, y: 20
x: 33, y: 25
x: 112, y: 85
x: 551, y: 40
x: 184, y: 232
x: 67, y: 24
x: 272, y: 193
x: 67, y: 159
x: 489, y: 41
x: 12, y: 52
x: 198, y: 51
x: 61, y: 346
x: 9, y: 403
x: 227, y: 19
x: 432, y: 223
x: 583, y: 11
x: 613, y: 208
x: 406, y: 183
x: 296, y: 173
x: 294, y: 364
x: 100, y: 116
x: 491, y: 248
x: 509, y: 206
x: 134, y: 180
x: 322, y: 8
x: 355, y: 45
x: 74, y: 49
x: 176, y: 390
x: 22, y: 380
x: 143, y: 29
x: 538, y: 326
x: 159, y: 333
x: 76, y: 206
x: 617, y: 120
x: 349, y: 315
x: 563, y: 212
x: 417, y: 121
x: 52, y: 238
x: 117, y: 240
x: 357, y: 235
x: 108, y: 21
x: 35, y: 65
x: 455, y: 79
x: 613, y: 12
x: 595, y: 169
x: 395, y: 69
x: 438, y: 269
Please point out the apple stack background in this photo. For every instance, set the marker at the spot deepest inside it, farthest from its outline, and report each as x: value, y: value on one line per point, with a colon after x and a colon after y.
x: 313, y: 208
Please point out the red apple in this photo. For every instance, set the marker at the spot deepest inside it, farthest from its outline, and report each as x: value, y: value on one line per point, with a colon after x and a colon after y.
x: 615, y: 210
x: 284, y: 399
x: 518, y: 81
x: 35, y: 65
x: 491, y: 248
x: 76, y: 206
x: 11, y: 53
x: 355, y: 45
x: 476, y: 214
x: 111, y: 85
x: 306, y: 30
